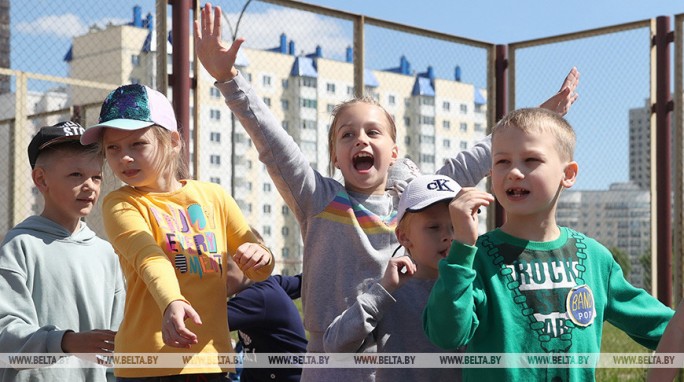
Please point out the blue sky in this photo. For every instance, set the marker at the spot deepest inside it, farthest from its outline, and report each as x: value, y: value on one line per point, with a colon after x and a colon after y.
x: 614, y: 68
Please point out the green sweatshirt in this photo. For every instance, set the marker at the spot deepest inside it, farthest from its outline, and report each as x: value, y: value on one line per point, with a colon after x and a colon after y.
x: 509, y: 295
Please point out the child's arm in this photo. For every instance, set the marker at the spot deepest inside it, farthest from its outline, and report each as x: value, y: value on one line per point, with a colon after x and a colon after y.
x: 671, y: 342
x: 20, y: 331
x: 302, y: 188
x: 292, y: 285
x: 255, y: 260
x: 130, y: 234
x: 632, y: 309
x: 247, y: 309
x: 450, y: 318
x: 470, y: 166
x: 347, y: 333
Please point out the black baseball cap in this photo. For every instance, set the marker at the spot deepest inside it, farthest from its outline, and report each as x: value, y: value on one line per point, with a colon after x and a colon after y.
x: 49, y: 135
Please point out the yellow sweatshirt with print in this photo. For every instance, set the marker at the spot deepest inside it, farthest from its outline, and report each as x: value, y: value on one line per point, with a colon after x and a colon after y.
x: 174, y: 246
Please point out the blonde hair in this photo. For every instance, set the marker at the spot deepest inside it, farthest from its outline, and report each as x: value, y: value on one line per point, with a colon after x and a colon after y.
x: 167, y: 162
x: 538, y: 120
x: 333, y: 126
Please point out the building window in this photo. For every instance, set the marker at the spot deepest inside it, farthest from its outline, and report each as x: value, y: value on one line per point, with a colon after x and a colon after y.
x: 426, y: 139
x: 267, y: 101
x: 446, y: 143
x: 266, y: 81
x: 248, y: 76
x: 407, y: 140
x: 309, y: 103
x: 407, y: 121
x: 308, y: 82
x: 350, y: 90
x: 285, y: 231
x: 266, y: 230
x: 215, y: 179
x: 464, y: 127
x: 215, y: 114
x: 286, y: 125
x: 267, y: 187
x: 135, y: 60
x: 285, y: 83
x: 478, y: 127
x: 330, y: 88
x: 267, y: 208
x: 446, y: 106
x: 285, y: 211
x: 248, y: 186
x: 427, y: 101
x: 391, y: 100
x: 215, y: 137
x: 464, y: 108
x: 308, y: 124
x: 215, y: 159
x: 286, y: 252
x: 331, y: 107
x: 426, y: 120
x: 446, y: 125
x: 463, y: 145
x: 214, y: 93
x: 427, y: 158
x: 284, y: 104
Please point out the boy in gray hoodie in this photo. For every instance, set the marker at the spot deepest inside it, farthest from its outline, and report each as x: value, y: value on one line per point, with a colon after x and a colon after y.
x: 62, y: 286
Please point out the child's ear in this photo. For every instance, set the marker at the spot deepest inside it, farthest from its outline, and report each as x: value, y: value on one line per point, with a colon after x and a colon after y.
x: 38, y: 176
x: 395, y: 153
x: 569, y: 174
x: 403, y: 238
x: 176, y: 141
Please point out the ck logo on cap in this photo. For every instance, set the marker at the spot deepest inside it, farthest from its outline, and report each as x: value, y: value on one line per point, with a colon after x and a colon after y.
x: 439, y: 185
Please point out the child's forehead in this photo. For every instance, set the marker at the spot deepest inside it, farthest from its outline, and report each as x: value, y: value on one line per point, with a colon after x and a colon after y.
x: 362, y: 112
x: 439, y: 210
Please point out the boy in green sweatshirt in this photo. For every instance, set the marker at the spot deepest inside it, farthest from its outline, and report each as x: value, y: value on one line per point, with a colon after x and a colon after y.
x: 531, y: 286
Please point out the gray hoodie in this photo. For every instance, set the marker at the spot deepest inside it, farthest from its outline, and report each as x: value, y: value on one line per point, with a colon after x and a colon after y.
x: 51, y: 282
x: 348, y: 237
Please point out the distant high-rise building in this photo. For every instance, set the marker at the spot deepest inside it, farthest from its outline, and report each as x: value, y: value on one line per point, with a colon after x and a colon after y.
x: 435, y: 117
x: 640, y: 146
x: 619, y: 217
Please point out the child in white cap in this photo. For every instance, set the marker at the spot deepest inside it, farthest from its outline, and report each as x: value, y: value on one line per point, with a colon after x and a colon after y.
x: 390, y: 309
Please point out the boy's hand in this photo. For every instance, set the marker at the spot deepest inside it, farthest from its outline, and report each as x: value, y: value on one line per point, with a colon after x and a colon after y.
x: 463, y: 210
x: 566, y: 96
x: 393, y: 277
x: 174, y: 331
x: 214, y: 55
x: 93, y: 341
x: 251, y: 256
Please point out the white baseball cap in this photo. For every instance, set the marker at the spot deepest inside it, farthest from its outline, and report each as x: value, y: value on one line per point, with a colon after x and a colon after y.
x: 424, y: 191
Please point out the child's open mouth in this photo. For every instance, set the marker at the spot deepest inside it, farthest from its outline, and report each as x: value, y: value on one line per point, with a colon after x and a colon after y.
x: 517, y: 192
x: 363, y: 161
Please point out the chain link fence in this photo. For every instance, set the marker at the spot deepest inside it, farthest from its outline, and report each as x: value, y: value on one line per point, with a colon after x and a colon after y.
x: 301, y: 59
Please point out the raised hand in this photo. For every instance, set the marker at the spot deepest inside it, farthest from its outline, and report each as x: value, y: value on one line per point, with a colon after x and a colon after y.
x: 463, y: 210
x: 566, y: 96
x: 215, y: 55
x: 394, y: 277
